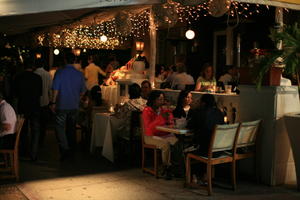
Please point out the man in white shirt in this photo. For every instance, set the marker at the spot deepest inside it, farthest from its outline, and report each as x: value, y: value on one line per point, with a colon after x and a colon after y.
x: 181, y: 79
x: 8, y: 122
x: 230, y: 76
x: 45, y: 98
x: 91, y: 73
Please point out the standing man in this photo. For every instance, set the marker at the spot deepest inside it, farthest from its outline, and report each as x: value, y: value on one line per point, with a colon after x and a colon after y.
x: 91, y: 73
x: 68, y: 86
x: 28, y: 92
x: 8, y: 121
x: 45, y: 98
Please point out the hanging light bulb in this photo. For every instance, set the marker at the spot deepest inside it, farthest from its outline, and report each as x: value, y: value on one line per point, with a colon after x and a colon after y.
x: 103, y: 38
x: 84, y: 50
x: 190, y: 34
x: 56, y: 52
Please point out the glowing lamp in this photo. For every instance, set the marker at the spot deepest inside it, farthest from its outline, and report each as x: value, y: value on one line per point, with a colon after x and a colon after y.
x: 77, y: 52
x: 103, y: 38
x: 56, y: 52
x: 139, y: 46
x: 38, y: 55
x: 190, y: 34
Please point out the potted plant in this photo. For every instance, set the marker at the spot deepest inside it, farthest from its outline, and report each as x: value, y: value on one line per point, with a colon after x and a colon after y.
x: 288, y: 56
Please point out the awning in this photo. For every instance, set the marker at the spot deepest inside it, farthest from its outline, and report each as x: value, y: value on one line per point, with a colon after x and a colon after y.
x: 21, y: 7
x: 290, y: 4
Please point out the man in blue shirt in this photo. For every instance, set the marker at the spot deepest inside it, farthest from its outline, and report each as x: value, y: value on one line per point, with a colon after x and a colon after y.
x: 68, y: 86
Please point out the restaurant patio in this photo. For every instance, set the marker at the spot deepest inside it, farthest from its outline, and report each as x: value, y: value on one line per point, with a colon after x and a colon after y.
x: 106, y: 164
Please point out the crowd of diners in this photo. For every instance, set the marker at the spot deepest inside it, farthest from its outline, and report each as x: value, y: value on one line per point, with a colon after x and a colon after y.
x: 41, y: 96
x: 176, y: 77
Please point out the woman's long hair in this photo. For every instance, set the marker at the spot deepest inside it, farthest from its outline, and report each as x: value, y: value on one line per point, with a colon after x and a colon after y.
x: 134, y: 91
x: 178, y: 111
x: 153, y: 96
x: 182, y: 95
x: 204, y: 67
x: 208, y: 101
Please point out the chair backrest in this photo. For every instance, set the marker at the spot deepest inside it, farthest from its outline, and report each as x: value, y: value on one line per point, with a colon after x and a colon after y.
x: 223, y: 137
x: 19, y: 125
x: 248, y: 132
x: 142, y: 129
x: 135, y: 123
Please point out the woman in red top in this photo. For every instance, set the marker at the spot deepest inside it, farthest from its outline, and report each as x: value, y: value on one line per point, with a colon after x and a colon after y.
x: 154, y: 115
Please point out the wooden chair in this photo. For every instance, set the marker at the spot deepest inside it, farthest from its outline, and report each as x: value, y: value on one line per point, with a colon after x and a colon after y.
x: 223, y: 139
x: 247, y: 140
x: 133, y: 139
x: 155, y: 149
x: 11, y: 157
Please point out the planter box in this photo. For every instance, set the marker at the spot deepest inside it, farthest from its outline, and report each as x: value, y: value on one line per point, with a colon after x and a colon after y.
x: 292, y: 122
x: 271, y: 78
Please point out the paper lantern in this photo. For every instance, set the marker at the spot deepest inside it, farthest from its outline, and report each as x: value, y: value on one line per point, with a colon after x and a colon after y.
x: 123, y: 23
x: 218, y: 8
x: 165, y: 15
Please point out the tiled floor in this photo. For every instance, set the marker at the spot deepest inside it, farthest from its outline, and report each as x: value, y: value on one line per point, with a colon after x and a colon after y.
x: 92, y: 177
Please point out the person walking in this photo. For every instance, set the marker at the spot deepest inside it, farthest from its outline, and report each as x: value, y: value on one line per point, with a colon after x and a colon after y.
x: 68, y: 86
x: 45, y: 98
x: 28, y: 92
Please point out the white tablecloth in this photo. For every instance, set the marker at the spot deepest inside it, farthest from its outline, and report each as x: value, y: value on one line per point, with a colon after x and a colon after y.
x: 110, y: 94
x: 103, y: 132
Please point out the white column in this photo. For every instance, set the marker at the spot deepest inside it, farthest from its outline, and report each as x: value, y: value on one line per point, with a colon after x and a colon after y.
x: 229, y: 46
x: 238, y: 49
x: 279, y: 23
x: 152, y: 61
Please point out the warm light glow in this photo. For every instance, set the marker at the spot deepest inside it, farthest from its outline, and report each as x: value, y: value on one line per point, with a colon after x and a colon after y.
x: 139, y: 45
x: 38, y: 55
x: 107, y: 34
x: 84, y: 50
x: 103, y: 38
x: 190, y: 34
x: 77, y: 52
x: 225, y: 119
x: 56, y: 52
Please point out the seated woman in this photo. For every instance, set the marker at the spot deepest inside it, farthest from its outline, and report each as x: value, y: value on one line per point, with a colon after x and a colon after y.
x: 154, y: 115
x: 202, y: 121
x: 206, y: 81
x: 183, y: 104
x: 135, y: 103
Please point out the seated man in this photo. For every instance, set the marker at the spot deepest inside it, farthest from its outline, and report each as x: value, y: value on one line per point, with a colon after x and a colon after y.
x: 8, y: 121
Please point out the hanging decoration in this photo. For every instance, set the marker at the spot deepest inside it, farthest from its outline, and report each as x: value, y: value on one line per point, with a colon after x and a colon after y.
x: 218, y: 8
x: 120, y: 25
x: 190, y: 2
x: 123, y: 24
x: 165, y: 15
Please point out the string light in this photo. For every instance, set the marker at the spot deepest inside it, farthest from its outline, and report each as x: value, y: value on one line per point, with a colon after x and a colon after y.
x: 88, y: 36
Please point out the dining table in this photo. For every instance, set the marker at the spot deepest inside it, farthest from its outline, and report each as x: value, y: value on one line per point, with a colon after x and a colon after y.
x: 173, y: 129
x: 104, y: 130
